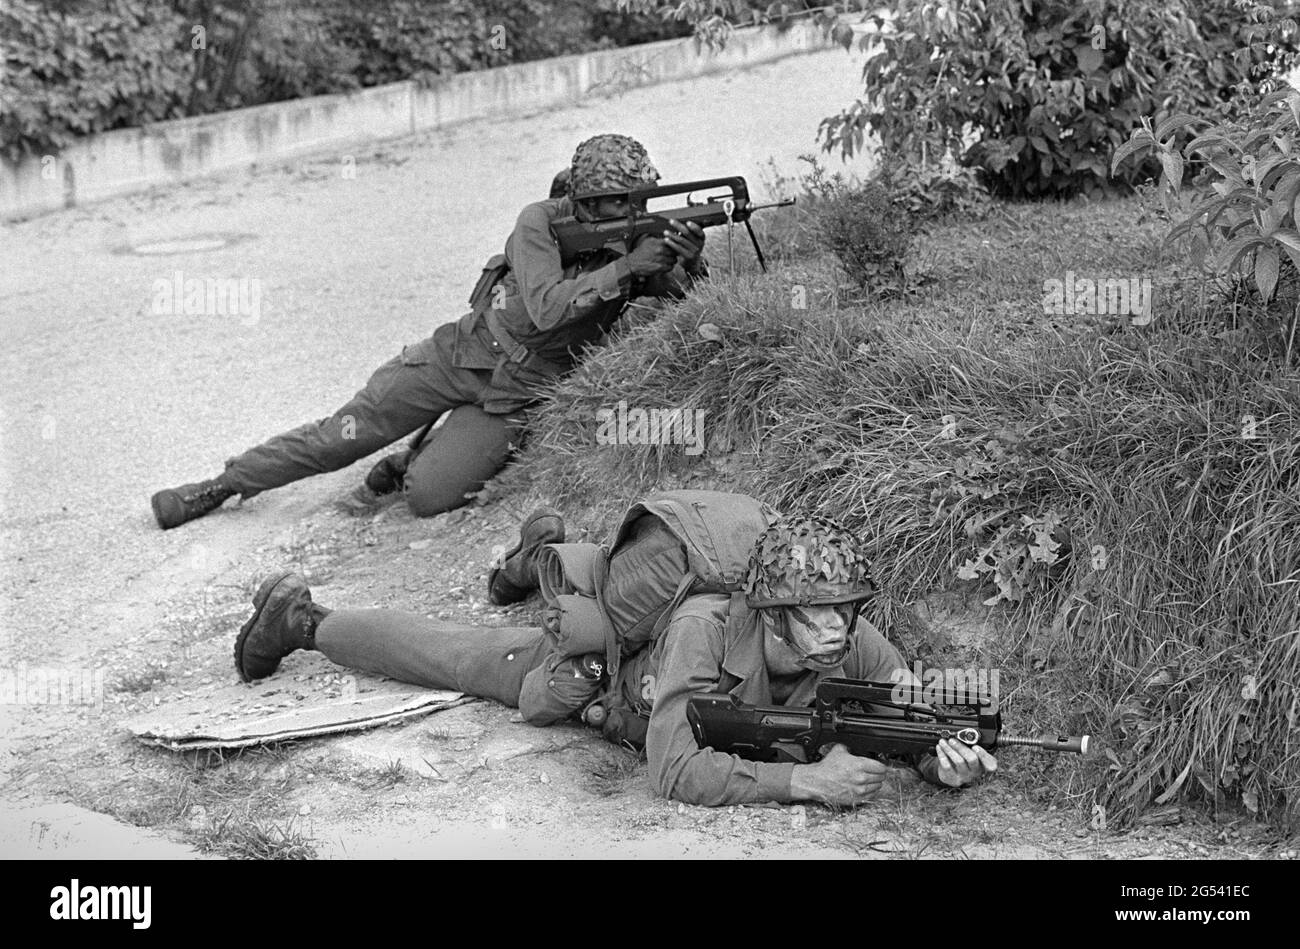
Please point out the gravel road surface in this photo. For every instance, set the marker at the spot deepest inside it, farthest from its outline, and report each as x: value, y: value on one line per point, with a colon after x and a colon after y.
x: 107, y: 397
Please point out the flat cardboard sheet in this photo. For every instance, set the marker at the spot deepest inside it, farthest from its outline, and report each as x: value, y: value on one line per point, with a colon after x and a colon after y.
x: 236, y: 716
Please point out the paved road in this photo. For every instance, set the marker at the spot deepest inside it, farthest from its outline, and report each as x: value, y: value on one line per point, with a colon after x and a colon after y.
x: 105, y: 399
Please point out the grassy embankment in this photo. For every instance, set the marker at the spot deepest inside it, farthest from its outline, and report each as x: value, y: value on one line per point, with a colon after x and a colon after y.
x: 1105, y: 477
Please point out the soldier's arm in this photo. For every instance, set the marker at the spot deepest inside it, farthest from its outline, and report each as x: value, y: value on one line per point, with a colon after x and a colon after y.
x: 550, y: 299
x: 675, y: 282
x: 687, y: 243
x: 678, y: 767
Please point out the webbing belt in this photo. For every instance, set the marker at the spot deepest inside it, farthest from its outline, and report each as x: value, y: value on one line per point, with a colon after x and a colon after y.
x: 516, y: 351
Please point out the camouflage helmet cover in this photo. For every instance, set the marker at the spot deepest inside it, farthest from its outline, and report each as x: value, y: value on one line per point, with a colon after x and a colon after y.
x: 610, y: 163
x: 806, y: 560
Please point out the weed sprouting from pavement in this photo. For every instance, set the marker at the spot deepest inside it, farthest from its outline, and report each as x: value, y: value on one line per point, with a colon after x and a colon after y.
x: 236, y: 833
x: 391, y: 775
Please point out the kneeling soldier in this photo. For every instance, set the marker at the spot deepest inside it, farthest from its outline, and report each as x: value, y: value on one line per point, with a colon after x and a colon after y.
x: 533, y: 315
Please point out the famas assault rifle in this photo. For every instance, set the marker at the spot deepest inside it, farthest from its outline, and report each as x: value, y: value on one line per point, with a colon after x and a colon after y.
x: 730, y: 207
x: 865, y: 717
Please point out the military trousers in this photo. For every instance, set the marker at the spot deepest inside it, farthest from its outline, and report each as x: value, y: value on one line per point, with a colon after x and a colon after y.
x: 403, y: 395
x: 518, y: 666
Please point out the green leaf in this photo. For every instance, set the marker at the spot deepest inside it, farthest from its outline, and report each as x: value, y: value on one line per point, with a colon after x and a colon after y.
x: 1268, y: 171
x: 1211, y: 139
x: 1172, y: 163
x: 1200, y: 248
x: 1173, y: 124
x: 1089, y: 59
x: 1284, y: 193
x: 1271, y: 218
x: 1141, y: 140
x: 1231, y: 252
x: 1292, y: 255
x: 1287, y: 238
x: 1266, y: 267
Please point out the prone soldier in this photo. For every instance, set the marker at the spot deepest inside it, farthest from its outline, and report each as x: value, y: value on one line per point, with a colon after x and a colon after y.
x: 800, y: 625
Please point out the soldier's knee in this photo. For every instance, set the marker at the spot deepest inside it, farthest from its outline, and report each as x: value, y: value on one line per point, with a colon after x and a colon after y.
x: 429, y: 499
x: 458, y: 459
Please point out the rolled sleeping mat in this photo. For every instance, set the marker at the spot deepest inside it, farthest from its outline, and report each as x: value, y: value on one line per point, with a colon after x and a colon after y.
x: 582, y: 627
x: 567, y: 568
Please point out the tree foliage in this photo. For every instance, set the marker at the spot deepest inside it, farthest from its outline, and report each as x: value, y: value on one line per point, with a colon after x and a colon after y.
x: 1245, y: 221
x: 1034, y: 94
x: 72, y: 67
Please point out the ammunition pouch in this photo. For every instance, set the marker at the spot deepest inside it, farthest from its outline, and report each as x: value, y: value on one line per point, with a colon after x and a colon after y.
x: 493, y: 271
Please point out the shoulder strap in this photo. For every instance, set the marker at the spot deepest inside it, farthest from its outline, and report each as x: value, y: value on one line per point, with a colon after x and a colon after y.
x: 737, y: 615
x: 666, y: 617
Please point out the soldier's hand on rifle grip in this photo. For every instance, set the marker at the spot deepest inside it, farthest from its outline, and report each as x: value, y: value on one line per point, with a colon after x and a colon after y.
x: 687, y: 241
x: 839, y: 778
x: 961, y: 765
x: 651, y: 256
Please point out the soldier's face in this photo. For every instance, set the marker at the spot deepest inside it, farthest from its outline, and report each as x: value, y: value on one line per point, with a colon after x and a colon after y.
x: 816, y: 639
x: 608, y: 206
x: 819, y: 631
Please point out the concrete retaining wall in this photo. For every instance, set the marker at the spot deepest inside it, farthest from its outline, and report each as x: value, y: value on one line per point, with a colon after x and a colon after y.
x: 129, y: 160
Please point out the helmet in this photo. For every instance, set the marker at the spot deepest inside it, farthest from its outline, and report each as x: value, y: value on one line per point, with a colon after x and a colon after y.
x: 806, y: 560
x: 610, y: 163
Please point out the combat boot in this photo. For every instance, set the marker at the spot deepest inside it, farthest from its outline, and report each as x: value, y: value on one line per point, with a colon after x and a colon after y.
x: 389, y: 474
x: 284, y: 620
x: 517, y: 576
x: 175, y: 506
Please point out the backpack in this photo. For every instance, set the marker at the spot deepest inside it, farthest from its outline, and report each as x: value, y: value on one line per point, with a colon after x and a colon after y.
x: 617, y: 599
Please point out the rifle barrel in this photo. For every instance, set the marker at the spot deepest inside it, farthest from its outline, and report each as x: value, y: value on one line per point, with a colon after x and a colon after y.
x: 1077, y: 744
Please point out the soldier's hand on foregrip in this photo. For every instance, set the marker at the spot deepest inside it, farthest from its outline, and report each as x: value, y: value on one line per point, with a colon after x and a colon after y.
x: 839, y: 778
x: 651, y: 256
x: 961, y: 765
x: 686, y: 240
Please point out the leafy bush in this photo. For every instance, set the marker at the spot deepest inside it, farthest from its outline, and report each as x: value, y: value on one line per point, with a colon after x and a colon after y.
x: 868, y: 235
x: 934, y: 191
x: 1246, y: 215
x: 1034, y: 94
x: 73, y: 67
x: 71, y: 73
x: 868, y: 227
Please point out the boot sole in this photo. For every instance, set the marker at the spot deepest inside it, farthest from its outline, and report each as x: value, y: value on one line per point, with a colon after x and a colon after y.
x: 259, y: 603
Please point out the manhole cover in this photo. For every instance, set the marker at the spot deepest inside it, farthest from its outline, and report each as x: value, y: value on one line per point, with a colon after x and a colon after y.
x: 189, y: 244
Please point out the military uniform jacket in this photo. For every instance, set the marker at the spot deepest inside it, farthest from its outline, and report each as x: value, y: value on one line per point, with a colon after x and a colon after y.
x: 550, y: 307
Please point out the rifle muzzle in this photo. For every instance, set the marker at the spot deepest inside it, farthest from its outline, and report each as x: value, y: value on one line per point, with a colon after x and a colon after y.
x: 1077, y: 744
